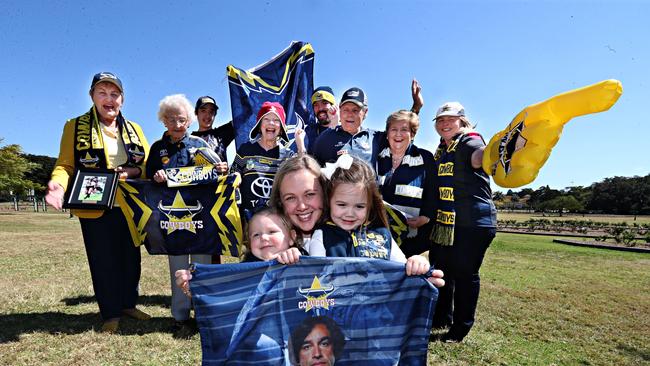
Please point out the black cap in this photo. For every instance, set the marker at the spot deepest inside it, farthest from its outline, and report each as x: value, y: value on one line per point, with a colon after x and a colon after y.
x: 356, y: 96
x: 203, y: 101
x: 108, y: 77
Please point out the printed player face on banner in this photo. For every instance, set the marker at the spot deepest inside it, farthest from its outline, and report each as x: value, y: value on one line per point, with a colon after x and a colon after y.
x: 108, y: 100
x: 349, y: 206
x: 268, y: 236
x: 317, y: 348
x: 302, y: 199
x: 447, y: 127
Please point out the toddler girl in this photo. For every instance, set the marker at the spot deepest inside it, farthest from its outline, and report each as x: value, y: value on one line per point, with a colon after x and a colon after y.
x: 270, y: 236
x: 358, y: 226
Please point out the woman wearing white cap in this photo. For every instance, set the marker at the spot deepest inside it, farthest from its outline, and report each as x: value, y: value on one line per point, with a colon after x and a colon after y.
x: 103, y: 139
x: 465, y: 219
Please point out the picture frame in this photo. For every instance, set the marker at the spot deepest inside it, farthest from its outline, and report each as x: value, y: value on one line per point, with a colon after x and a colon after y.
x: 92, y: 189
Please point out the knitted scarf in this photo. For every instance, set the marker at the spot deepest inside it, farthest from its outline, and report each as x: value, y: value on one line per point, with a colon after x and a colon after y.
x: 89, y: 145
x: 443, y: 230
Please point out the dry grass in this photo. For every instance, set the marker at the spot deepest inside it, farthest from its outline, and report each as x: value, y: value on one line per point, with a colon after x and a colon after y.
x: 541, y: 304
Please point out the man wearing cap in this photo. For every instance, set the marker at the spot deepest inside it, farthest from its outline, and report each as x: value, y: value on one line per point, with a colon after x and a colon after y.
x: 326, y: 112
x: 349, y: 137
x: 218, y: 138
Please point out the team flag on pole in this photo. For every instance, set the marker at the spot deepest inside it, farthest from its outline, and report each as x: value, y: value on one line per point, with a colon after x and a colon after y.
x: 199, y: 219
x: 347, y: 311
x: 287, y: 79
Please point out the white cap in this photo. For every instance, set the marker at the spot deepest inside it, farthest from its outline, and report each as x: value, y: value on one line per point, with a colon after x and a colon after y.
x: 451, y: 109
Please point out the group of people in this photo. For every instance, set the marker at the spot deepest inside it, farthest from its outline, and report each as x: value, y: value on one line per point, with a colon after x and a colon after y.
x: 327, y: 199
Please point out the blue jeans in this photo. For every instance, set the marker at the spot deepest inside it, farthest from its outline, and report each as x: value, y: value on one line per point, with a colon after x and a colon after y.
x: 460, y: 262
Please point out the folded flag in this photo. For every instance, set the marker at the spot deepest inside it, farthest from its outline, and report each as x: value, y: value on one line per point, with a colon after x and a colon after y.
x: 351, y: 311
x: 198, y: 219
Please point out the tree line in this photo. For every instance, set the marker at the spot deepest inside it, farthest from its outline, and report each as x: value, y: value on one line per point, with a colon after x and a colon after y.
x: 617, y: 195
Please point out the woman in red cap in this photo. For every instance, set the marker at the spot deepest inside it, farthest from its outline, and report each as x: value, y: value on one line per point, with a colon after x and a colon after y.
x: 258, y: 160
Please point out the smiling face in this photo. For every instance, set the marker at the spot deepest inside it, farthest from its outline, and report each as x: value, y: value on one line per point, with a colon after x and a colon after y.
x: 268, y: 236
x: 448, y: 127
x: 317, y: 348
x: 177, y: 121
x: 302, y: 199
x: 399, y: 136
x: 270, y: 126
x: 206, y: 115
x: 351, y: 117
x: 108, y: 101
x: 349, y: 205
x: 322, y: 108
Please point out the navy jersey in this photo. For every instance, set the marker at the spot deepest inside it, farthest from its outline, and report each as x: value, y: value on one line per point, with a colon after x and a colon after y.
x: 166, y: 154
x: 366, y: 145
x: 332, y: 241
x: 257, y: 168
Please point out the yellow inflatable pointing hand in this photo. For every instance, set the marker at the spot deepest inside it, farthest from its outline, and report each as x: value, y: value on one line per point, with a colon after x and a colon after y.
x: 514, y: 156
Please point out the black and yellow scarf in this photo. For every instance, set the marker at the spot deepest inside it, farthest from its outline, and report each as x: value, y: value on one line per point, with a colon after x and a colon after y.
x: 89, y: 145
x: 443, y: 230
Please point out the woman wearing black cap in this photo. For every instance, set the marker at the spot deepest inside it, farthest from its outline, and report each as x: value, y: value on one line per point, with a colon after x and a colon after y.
x: 103, y: 139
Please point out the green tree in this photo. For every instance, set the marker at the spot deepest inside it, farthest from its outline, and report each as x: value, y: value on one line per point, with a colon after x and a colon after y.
x: 561, y: 204
x: 13, y: 168
x: 41, y: 174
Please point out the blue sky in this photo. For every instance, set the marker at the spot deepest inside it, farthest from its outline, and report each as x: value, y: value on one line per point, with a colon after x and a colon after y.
x: 495, y: 57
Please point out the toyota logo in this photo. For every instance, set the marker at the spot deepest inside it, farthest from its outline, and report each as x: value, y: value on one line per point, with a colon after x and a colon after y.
x: 261, y: 187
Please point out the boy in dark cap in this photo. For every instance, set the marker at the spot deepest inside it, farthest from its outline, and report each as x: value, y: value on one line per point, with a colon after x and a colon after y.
x: 218, y: 138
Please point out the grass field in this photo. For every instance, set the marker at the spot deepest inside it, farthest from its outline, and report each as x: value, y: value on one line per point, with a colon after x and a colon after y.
x: 541, y: 304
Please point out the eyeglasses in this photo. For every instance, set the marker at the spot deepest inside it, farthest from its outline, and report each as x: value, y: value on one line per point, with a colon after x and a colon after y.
x: 172, y: 120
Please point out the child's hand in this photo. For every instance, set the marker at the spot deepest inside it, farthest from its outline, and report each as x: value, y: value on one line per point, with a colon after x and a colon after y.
x: 436, y: 278
x: 417, y: 265
x: 289, y: 256
x: 183, y: 277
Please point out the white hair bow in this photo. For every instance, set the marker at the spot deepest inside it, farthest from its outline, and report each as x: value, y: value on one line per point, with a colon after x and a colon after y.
x: 344, y: 162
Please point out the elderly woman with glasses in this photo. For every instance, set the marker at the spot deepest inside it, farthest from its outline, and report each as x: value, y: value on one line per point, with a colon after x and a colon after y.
x: 177, y: 149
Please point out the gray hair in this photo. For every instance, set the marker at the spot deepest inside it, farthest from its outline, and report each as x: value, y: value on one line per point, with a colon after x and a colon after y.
x: 176, y: 102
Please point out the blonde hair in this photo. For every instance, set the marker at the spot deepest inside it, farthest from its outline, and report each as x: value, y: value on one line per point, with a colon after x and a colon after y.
x: 176, y: 102
x: 403, y: 115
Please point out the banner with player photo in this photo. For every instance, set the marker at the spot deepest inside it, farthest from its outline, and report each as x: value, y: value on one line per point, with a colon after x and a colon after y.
x: 348, y: 311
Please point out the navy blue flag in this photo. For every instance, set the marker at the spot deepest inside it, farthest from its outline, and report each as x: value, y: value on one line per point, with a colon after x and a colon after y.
x: 350, y: 311
x: 199, y: 219
x: 287, y: 79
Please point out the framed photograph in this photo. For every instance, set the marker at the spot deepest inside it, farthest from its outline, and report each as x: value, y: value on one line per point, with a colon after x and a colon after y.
x: 92, y: 189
